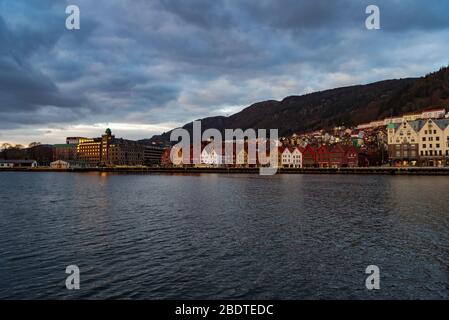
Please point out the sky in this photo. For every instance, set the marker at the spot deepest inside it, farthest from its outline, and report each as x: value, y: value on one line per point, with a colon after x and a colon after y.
x: 145, y: 67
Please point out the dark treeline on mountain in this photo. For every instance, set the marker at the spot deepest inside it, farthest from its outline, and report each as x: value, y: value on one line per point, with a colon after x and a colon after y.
x: 342, y: 106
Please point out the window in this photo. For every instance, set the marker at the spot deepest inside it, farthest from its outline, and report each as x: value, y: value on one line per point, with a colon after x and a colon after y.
x: 423, y: 138
x: 438, y: 145
x: 424, y: 146
x: 438, y: 138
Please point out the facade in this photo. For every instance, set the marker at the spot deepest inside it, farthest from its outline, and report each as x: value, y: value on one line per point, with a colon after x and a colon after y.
x: 110, y: 151
x: 433, y: 149
x: 421, y: 142
x: 337, y: 156
x: 308, y: 157
x: 242, y: 158
x: 323, y: 156
x: 69, y: 164
x: 18, y: 164
x: 434, y: 114
x: 286, y: 157
x: 165, y: 158
x: 403, y: 143
x: 297, y: 158
x: 64, y: 151
x: 290, y: 157
x: 152, y: 155
x: 75, y: 140
x: 355, y: 158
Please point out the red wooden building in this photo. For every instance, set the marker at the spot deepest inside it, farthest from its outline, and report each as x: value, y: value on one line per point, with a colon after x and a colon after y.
x: 308, y: 156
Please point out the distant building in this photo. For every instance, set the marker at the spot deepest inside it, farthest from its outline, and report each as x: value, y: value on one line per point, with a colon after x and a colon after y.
x: 403, y: 143
x: 18, y: 164
x: 421, y: 142
x: 323, y: 156
x: 75, y: 140
x: 434, y: 113
x: 308, y: 157
x: 69, y: 164
x: 64, y: 151
x: 152, y: 155
x: 110, y: 151
x: 286, y: 157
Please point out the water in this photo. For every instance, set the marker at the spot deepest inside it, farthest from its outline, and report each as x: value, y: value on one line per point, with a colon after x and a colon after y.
x: 223, y: 236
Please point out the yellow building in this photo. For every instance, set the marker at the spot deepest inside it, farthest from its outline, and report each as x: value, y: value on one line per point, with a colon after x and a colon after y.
x: 403, y: 144
x: 433, y: 143
x: 421, y: 142
x: 110, y: 151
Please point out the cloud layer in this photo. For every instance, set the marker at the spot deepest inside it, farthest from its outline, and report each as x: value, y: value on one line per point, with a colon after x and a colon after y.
x: 149, y: 65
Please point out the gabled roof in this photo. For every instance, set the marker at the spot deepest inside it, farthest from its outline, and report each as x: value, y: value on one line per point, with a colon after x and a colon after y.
x: 417, y: 125
x: 442, y: 123
x: 323, y: 148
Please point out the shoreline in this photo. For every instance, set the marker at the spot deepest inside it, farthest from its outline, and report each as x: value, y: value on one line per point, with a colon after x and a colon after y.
x: 366, y: 171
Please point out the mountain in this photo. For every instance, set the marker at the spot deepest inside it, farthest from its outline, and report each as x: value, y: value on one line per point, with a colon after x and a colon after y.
x: 342, y: 106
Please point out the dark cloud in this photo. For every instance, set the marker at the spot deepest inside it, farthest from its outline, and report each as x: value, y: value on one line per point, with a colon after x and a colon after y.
x: 165, y: 60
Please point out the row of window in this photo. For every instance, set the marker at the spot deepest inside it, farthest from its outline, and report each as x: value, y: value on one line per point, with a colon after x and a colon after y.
x: 424, y: 146
x: 431, y: 138
x: 432, y: 153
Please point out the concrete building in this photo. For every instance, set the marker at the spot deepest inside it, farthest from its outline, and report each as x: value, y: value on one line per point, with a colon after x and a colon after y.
x: 110, y: 151
x: 152, y: 155
x: 65, y: 151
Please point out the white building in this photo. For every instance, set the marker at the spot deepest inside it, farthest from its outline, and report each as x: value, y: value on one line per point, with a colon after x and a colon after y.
x: 18, y: 164
x: 286, y: 158
x: 434, y: 114
x: 291, y: 157
x: 297, y: 158
x: 212, y: 157
x: 69, y: 164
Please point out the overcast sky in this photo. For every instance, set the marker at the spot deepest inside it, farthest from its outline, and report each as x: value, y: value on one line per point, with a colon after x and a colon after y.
x: 144, y: 67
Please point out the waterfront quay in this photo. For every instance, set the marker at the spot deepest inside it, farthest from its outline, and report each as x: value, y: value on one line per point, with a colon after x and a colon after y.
x: 231, y: 170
